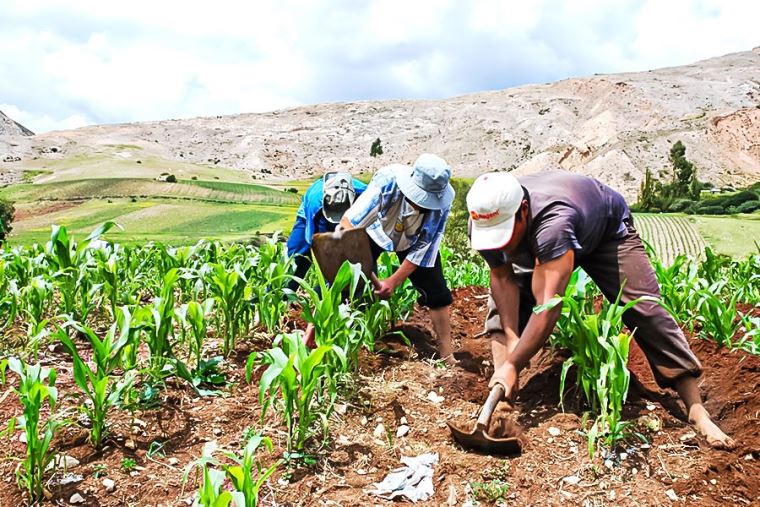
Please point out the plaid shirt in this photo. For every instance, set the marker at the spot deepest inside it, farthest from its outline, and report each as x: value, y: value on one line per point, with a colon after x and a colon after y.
x: 393, y: 224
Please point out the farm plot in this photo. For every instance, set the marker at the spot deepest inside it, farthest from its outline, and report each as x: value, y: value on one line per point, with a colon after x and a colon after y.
x: 174, y: 374
x: 670, y: 235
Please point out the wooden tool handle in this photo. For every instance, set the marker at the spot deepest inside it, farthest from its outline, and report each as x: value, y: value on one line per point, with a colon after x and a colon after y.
x: 497, y: 393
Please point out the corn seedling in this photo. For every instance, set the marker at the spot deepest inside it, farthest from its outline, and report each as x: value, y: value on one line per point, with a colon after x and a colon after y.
x: 299, y: 376
x: 720, y: 321
x: 99, y: 385
x: 228, y: 287
x: 36, y: 389
x: 245, y: 474
x: 600, y: 354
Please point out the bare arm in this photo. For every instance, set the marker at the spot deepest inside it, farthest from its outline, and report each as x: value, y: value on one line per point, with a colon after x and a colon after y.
x: 506, y: 295
x: 549, y: 279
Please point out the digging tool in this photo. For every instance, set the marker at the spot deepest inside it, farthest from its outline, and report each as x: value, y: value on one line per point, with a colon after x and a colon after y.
x: 331, y: 250
x: 479, y: 439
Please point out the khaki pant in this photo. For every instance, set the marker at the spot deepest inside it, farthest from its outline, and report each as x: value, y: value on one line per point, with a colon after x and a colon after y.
x: 657, y: 334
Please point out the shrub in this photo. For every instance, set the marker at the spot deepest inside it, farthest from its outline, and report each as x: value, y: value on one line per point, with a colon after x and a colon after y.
x: 748, y: 207
x: 679, y: 205
x: 739, y: 198
x: 6, y: 218
x: 376, y: 148
x: 171, y: 179
x: 711, y: 210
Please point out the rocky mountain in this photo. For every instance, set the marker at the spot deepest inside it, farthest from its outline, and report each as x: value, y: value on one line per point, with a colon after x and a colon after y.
x: 8, y: 127
x: 612, y: 127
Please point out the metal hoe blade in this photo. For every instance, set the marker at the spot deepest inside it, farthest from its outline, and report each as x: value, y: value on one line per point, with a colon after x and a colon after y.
x: 331, y: 250
x: 478, y: 439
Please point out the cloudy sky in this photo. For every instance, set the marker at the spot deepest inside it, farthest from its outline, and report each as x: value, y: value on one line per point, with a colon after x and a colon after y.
x: 64, y: 64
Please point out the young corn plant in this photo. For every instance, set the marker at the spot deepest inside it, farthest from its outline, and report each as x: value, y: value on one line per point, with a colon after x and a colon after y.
x: 195, y: 316
x: 157, y: 324
x: 36, y: 389
x: 330, y: 309
x: 99, y: 385
x: 300, y: 377
x: 600, y: 354
x: 73, y: 266
x: 245, y: 473
x: 35, y: 300
x: 720, y: 321
x: 228, y: 288
x: 267, y: 283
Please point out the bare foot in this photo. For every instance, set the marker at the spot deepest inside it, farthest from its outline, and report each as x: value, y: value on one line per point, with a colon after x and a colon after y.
x: 699, y: 417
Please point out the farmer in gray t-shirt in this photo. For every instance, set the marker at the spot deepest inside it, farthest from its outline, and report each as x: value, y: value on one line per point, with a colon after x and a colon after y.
x: 532, y: 232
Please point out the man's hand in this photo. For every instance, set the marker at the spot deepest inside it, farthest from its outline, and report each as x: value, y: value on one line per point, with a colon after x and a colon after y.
x: 506, y: 375
x: 384, y: 288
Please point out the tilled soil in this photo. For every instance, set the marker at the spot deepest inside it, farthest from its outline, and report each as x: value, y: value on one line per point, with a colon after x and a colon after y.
x: 674, y: 466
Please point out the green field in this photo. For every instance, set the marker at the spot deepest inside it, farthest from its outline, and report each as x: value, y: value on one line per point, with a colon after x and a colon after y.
x: 169, y: 220
x: 125, y: 183
x: 730, y: 235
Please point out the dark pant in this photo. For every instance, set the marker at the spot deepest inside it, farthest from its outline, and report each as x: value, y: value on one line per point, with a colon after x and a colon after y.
x: 429, y: 282
x: 624, y: 262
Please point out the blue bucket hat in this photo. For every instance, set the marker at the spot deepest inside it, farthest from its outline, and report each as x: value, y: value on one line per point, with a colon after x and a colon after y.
x: 427, y: 183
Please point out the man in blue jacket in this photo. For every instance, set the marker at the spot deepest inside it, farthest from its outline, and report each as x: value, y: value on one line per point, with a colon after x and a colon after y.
x: 321, y: 209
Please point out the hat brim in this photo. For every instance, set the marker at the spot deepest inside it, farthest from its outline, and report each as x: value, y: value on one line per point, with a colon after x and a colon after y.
x: 423, y: 198
x: 494, y: 237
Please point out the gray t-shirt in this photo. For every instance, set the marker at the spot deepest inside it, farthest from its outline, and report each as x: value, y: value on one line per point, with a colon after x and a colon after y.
x: 567, y: 211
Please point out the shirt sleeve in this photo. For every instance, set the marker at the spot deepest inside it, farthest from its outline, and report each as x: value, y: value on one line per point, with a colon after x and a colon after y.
x: 365, y: 208
x: 554, y: 233
x: 424, y: 251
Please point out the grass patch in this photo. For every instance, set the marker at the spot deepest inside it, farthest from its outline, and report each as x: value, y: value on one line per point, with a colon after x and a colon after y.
x: 170, y: 220
x: 733, y: 235
x: 29, y: 175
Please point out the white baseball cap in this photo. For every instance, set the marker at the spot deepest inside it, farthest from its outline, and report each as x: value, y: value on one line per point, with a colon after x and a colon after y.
x: 492, y: 202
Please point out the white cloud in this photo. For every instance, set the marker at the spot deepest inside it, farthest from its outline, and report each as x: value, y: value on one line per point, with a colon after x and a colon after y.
x: 68, y: 63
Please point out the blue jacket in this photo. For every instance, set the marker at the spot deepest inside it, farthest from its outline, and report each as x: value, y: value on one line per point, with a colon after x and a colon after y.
x: 310, y: 220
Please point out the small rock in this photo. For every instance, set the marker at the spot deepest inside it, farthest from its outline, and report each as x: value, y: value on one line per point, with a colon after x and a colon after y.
x: 435, y: 397
x: 109, y: 484
x: 623, y: 456
x: 554, y: 431
x: 402, y: 431
x: 749, y: 457
x: 451, y: 501
x: 76, y: 498
x: 379, y: 431
x: 571, y: 480
x: 687, y: 436
x: 574, y: 449
x: 608, y: 463
x: 713, y: 481
x: 612, y: 495
x: 550, y: 440
x: 63, y: 462
x: 645, y: 446
x: 672, y: 495
x: 341, y: 408
x: 217, y: 432
x: 139, y: 422
x: 134, y: 473
x: 343, y: 440
x: 403, y: 420
x: 22, y: 437
x: 130, y: 444
x: 634, y: 470
x: 650, y: 407
x: 363, y: 421
x: 173, y: 461
x: 361, y: 471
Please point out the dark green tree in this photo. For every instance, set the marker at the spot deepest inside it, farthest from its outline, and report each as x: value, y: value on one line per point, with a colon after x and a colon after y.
x: 376, y: 148
x: 683, y: 170
x: 647, y: 192
x: 7, y: 210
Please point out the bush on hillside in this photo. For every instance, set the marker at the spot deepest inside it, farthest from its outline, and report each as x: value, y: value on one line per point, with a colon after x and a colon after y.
x: 712, y: 210
x: 681, y: 205
x: 7, y: 210
x: 748, y: 207
x: 171, y: 179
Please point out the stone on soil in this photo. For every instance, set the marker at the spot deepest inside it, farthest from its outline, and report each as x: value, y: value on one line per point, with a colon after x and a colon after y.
x: 76, y: 498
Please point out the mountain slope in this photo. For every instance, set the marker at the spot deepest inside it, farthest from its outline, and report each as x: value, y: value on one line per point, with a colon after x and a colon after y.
x: 612, y: 127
